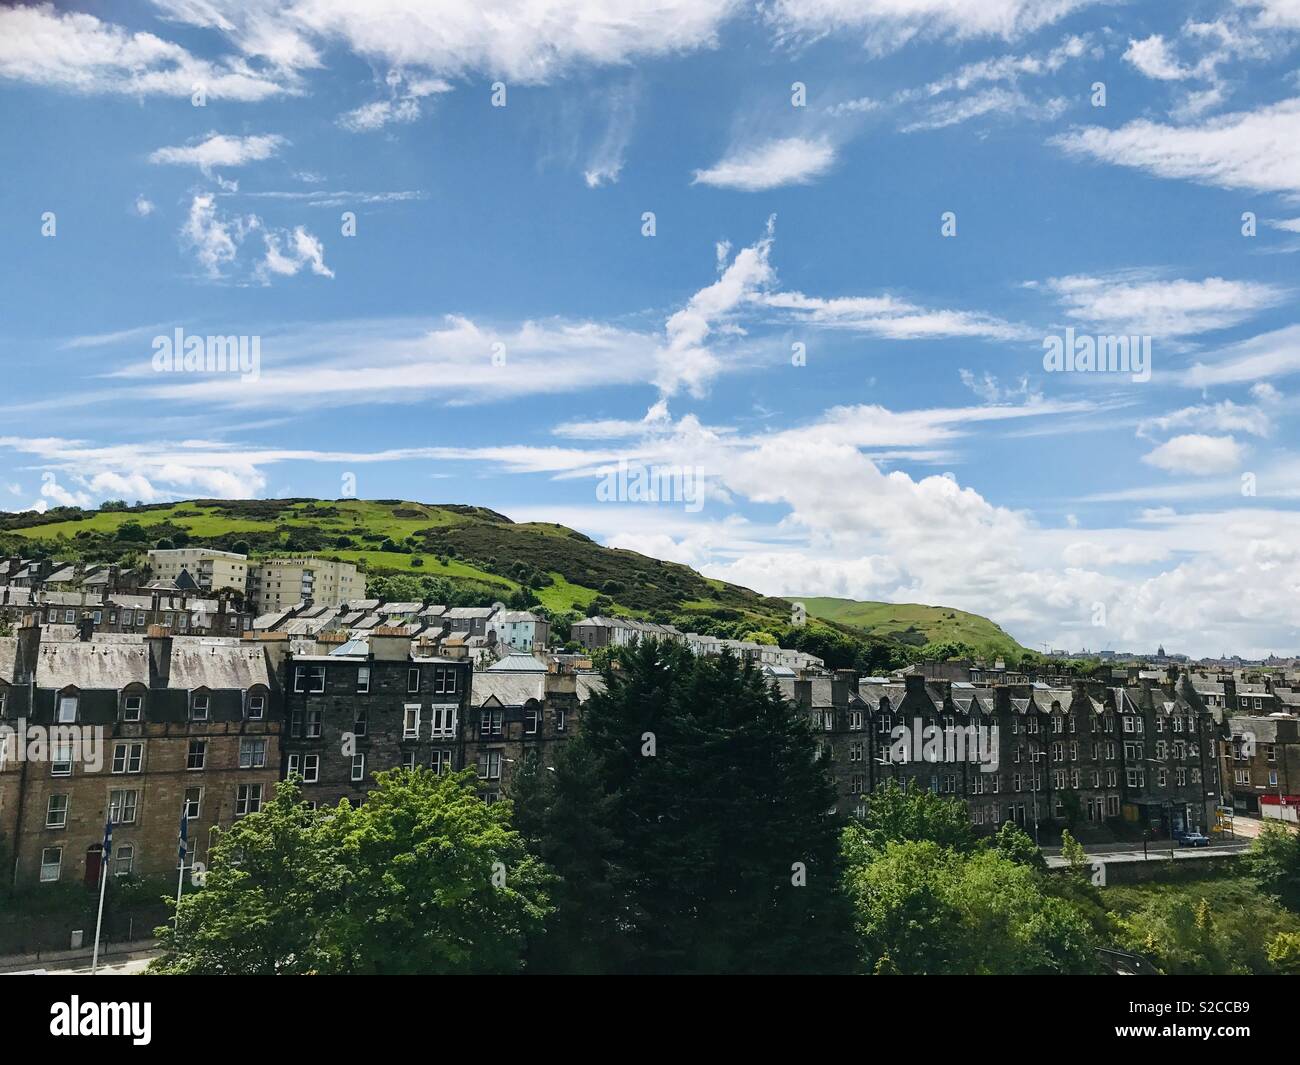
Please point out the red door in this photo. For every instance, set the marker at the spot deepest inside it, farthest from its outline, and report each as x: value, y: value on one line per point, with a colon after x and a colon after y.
x: 92, y: 865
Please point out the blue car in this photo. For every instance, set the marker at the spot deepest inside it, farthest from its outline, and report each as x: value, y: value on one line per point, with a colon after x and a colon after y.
x: 1194, y: 839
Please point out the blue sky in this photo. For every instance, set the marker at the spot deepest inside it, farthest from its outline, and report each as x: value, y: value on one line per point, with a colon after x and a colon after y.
x: 500, y: 331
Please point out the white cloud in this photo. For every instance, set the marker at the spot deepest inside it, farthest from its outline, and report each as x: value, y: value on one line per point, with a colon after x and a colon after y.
x: 219, y: 149
x: 1152, y: 57
x: 402, y: 106
x: 1132, y: 302
x: 1197, y: 453
x: 1006, y: 103
x: 1224, y: 417
x: 784, y: 161
x: 213, y: 239
x: 144, y: 207
x: 523, y: 41
x: 79, y: 53
x: 605, y: 163
x: 884, y: 25
x: 891, y: 317
x: 302, y: 249
x: 685, y: 361
x: 1274, y: 354
x: 1254, y: 150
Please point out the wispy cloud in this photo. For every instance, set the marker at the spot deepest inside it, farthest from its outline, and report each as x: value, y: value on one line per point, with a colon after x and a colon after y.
x: 784, y: 161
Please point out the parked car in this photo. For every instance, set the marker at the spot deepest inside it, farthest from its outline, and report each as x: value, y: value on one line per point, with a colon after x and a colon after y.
x: 1194, y: 839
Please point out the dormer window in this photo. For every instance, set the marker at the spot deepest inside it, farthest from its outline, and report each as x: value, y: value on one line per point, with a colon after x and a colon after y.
x: 256, y: 707
x: 132, y: 707
x: 199, y: 708
x: 67, y: 709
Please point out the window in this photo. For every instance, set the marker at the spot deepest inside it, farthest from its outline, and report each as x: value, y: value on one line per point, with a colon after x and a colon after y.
x: 123, y: 859
x: 884, y: 724
x: 309, y: 678
x: 358, y: 767
x: 128, y: 757
x: 1162, y: 778
x: 313, y: 724
x: 1128, y: 724
x: 363, y: 679
x: 361, y: 722
x: 197, y: 754
x: 56, y: 812
x: 252, y: 753
x: 310, y: 768
x: 139, y: 617
x: 199, y: 708
x: 61, y: 759
x: 444, y: 681
x: 1242, y: 776
x: 1112, y: 805
x: 1272, y: 778
x: 256, y: 707
x: 295, y: 764
x: 51, y: 864
x: 828, y: 720
x: 411, y: 722
x: 408, y: 761
x: 490, y: 723
x: 855, y: 720
x: 248, y: 799
x: 69, y: 616
x: 561, y: 717
x: 67, y: 710
x: 856, y: 751
x: 132, y: 705
x: 1134, y: 778
x: 532, y: 720
x: 193, y: 803
x: 122, y: 806
x: 413, y: 679
x: 489, y: 765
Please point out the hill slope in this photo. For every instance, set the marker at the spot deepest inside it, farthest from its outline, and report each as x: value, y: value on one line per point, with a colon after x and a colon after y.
x: 476, y: 551
x: 913, y: 623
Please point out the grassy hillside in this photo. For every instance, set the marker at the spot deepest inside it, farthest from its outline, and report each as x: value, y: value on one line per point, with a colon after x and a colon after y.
x: 914, y: 623
x: 481, y: 555
x: 469, y: 545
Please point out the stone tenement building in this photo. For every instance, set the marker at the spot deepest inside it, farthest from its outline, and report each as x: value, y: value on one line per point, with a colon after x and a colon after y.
x: 136, y: 727
x: 355, y: 707
x: 214, y: 722
x: 1144, y: 753
x: 1261, y: 766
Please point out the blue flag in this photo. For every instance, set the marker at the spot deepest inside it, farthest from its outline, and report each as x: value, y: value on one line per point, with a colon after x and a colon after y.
x: 107, y: 851
x: 185, y: 831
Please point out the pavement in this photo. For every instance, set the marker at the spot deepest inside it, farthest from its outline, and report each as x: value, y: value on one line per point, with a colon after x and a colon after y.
x: 124, y: 960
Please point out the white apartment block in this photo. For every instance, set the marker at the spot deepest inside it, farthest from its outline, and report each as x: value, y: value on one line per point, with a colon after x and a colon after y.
x: 279, y: 583
x: 210, y: 570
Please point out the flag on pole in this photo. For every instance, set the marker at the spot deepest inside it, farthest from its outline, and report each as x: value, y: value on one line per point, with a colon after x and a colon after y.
x: 184, y: 832
x: 106, y: 851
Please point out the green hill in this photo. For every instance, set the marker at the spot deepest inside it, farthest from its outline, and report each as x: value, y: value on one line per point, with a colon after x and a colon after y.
x: 914, y: 623
x: 472, y: 554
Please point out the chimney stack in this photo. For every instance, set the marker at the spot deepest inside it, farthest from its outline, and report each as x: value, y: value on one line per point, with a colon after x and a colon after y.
x: 159, y: 642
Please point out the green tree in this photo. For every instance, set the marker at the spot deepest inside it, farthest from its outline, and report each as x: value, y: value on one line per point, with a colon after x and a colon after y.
x: 931, y: 909
x: 1015, y: 844
x: 1274, y: 861
x: 693, y: 793
x: 421, y: 878
x: 1073, y: 853
x: 895, y: 814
